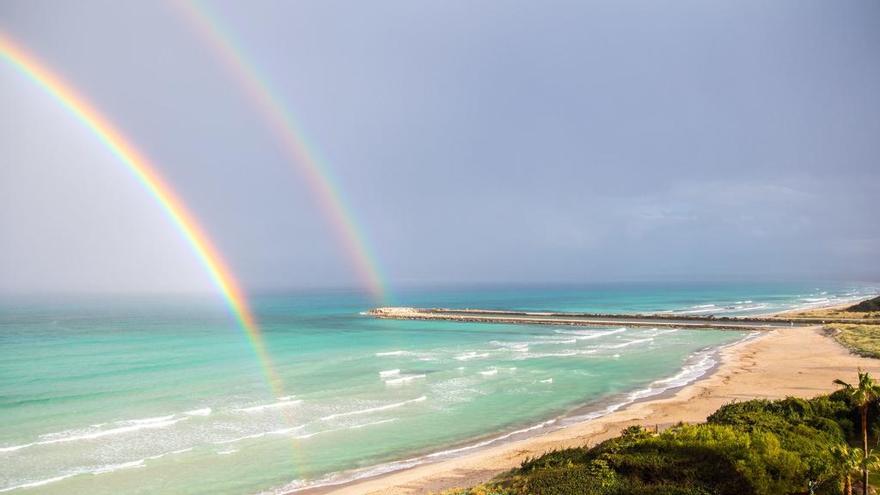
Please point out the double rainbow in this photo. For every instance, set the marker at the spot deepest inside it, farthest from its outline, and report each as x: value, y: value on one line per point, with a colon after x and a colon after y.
x: 149, y: 177
x: 299, y: 152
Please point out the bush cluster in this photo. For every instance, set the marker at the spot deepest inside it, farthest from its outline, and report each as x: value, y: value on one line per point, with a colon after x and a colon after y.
x: 756, y: 447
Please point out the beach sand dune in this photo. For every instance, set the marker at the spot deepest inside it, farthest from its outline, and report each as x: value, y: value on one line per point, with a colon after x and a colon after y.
x: 798, y: 362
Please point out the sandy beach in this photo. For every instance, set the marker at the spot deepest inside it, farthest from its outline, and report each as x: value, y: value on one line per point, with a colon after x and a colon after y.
x: 798, y: 361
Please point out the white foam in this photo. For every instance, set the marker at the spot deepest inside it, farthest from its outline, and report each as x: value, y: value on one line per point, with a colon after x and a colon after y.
x: 343, y: 477
x: 95, y: 431
x: 349, y: 476
x: 699, y: 364
x: 173, y: 452
x: 548, y: 380
x: 566, y: 353
x: 751, y: 308
x: 550, y: 341
x: 274, y: 405
x: 374, y: 409
x: 471, y: 355
x: 33, y: 484
x: 392, y: 353
x: 227, y: 452
x: 352, y: 427
x: 146, y: 421
x: 403, y: 379
x: 76, y: 435
x: 628, y: 343
x: 657, y: 332
x: 283, y: 431
x: 205, y: 411
x: 108, y: 468
x: 536, y: 355
x: 590, y: 334
x: 387, y: 373
x: 489, y: 372
x: 490, y: 441
x: 689, y: 373
x: 238, y: 439
x: 374, y: 423
x: 13, y: 448
x: 512, y: 346
x: 694, y: 311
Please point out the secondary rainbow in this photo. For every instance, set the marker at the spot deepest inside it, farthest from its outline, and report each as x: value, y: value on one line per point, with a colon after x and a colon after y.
x: 147, y: 174
x: 293, y: 142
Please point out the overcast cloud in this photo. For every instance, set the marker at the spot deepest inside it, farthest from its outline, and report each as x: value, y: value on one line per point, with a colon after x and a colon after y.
x: 495, y: 141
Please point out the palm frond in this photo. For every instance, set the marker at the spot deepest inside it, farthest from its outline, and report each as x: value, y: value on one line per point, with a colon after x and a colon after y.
x: 842, y: 383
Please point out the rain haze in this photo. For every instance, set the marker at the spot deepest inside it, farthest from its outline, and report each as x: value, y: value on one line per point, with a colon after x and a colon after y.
x: 488, y: 142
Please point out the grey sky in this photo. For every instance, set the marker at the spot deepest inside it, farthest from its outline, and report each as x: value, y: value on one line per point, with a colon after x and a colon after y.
x: 496, y: 141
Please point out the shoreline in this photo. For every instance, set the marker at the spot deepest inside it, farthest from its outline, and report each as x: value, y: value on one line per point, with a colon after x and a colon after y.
x: 795, y: 361
x: 589, y: 411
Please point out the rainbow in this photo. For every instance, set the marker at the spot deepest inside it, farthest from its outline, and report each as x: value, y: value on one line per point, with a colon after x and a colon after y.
x: 293, y: 142
x: 147, y: 174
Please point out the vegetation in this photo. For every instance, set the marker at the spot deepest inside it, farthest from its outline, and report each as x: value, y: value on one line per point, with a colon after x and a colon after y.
x: 862, y: 395
x: 789, y: 446
x: 850, y: 461
x: 863, y: 340
x: 866, y: 306
x: 865, y: 310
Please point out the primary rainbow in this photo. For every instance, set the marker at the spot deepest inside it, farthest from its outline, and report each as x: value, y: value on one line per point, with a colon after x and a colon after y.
x: 293, y: 142
x: 147, y: 174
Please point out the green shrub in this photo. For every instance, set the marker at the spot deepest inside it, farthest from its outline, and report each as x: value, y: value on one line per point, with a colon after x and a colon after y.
x: 757, y: 447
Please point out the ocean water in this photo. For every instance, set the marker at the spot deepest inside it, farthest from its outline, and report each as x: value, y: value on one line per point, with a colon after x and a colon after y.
x: 150, y: 394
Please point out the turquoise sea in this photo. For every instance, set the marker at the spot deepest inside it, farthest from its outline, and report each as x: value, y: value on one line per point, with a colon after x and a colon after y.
x: 164, y: 394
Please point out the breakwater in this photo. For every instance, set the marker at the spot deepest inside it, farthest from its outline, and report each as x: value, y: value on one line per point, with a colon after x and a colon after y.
x: 599, y: 319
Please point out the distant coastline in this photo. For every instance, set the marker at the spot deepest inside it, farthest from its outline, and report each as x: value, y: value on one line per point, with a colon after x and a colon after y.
x: 763, y: 323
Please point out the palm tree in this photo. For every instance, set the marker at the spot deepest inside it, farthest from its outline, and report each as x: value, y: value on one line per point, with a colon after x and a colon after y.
x: 849, y: 462
x: 863, y: 396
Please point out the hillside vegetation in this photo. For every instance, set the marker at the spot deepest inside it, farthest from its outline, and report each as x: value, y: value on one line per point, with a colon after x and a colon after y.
x: 756, y: 447
x: 866, y: 306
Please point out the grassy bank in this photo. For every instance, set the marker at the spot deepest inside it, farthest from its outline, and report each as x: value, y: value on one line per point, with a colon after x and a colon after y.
x: 863, y: 340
